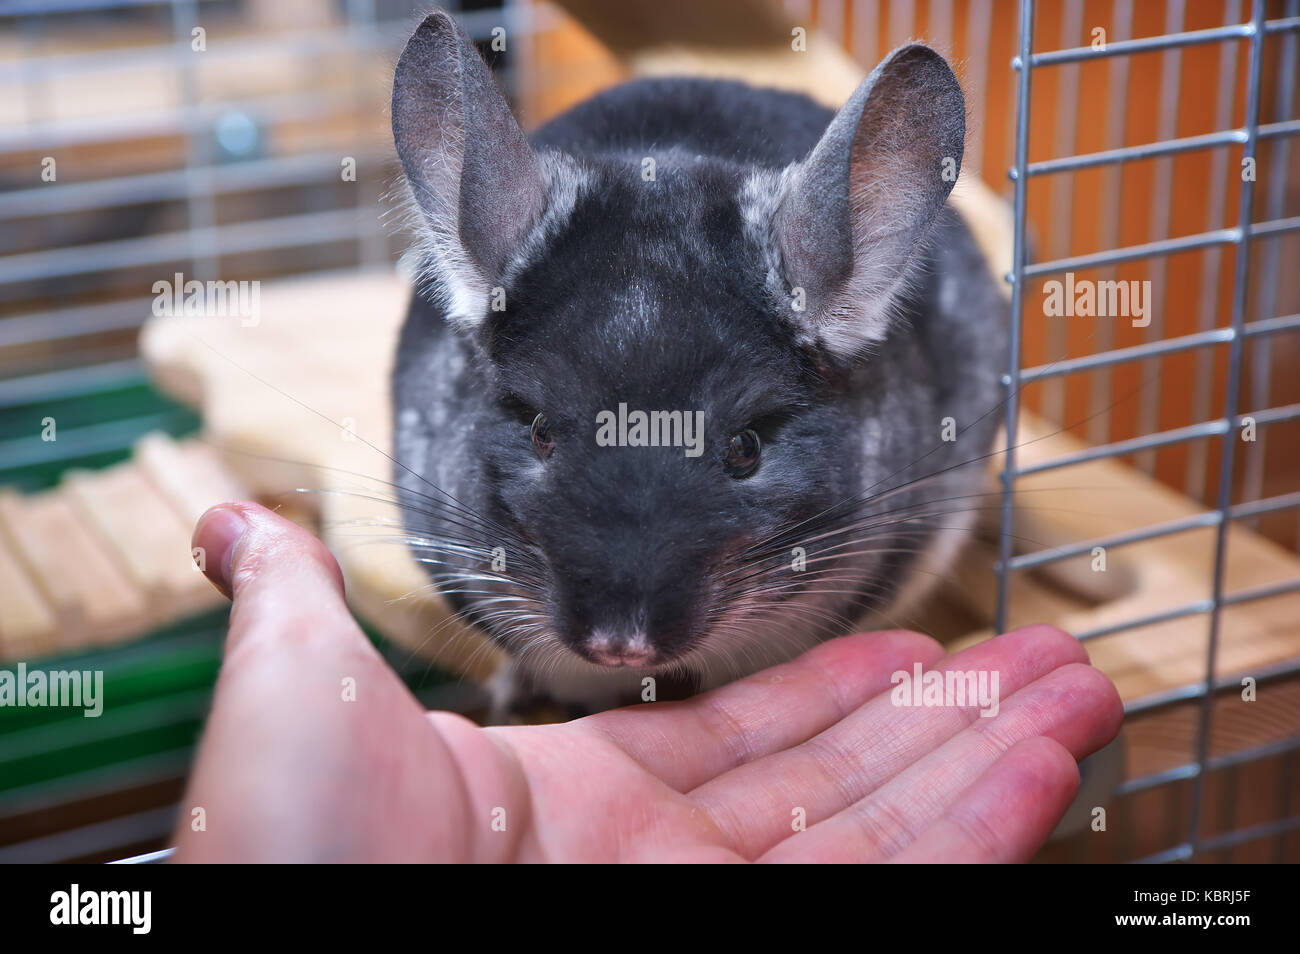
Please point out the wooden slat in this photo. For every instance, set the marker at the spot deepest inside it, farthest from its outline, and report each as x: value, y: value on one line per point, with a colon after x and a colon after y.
x: 107, y: 555
x: 134, y: 523
x: 188, y: 474
x: 93, y: 598
x: 27, y: 624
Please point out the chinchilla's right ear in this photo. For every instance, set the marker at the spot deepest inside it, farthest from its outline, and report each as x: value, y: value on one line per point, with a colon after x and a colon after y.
x: 479, y: 184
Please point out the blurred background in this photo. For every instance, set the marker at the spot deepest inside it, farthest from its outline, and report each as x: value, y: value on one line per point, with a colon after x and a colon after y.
x: 218, y: 138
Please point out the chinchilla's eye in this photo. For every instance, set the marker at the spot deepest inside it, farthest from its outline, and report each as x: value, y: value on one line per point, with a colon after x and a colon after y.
x: 542, y: 440
x: 742, y: 453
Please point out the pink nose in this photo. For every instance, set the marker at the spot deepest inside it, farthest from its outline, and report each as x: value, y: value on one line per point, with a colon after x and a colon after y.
x: 626, y: 657
x: 617, y: 651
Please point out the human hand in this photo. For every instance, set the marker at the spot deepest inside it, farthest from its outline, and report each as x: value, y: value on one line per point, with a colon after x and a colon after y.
x: 289, y: 771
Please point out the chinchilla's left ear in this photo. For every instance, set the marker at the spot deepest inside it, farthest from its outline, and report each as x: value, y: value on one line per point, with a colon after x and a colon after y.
x: 478, y: 182
x: 852, y: 214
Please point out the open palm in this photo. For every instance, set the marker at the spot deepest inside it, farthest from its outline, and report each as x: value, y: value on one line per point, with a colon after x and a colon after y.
x: 315, y: 751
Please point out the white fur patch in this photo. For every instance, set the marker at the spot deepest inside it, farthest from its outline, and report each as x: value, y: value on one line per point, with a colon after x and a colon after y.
x: 441, y: 267
x: 859, y: 314
x: 566, y: 179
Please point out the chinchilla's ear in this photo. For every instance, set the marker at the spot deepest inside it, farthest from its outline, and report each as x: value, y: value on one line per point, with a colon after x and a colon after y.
x: 478, y: 182
x: 851, y: 216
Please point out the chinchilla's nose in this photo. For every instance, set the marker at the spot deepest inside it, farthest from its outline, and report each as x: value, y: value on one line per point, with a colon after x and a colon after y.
x: 631, y: 601
x: 610, y: 648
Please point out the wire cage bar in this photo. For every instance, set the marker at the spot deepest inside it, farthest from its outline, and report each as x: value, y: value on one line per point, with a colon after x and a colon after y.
x: 1223, y: 427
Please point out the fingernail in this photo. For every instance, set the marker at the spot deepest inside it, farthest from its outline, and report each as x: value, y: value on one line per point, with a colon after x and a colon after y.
x: 217, y: 534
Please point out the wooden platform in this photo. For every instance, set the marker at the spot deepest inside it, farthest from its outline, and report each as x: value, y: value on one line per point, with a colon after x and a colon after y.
x: 105, y: 557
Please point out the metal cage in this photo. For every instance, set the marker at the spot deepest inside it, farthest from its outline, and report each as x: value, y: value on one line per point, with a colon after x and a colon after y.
x: 1240, y: 239
x: 212, y: 194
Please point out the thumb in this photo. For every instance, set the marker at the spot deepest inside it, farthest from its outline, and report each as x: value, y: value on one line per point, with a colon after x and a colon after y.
x: 270, y: 567
x: 294, y: 762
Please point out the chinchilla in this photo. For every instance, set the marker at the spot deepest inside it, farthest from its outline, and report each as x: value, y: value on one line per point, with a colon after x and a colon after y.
x: 693, y: 377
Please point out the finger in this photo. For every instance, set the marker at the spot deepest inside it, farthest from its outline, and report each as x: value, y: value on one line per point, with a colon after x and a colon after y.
x: 1074, y: 705
x: 1007, y: 814
x: 289, y: 612
x: 302, y: 704
x: 275, y: 571
x: 686, y: 743
x: 754, y: 804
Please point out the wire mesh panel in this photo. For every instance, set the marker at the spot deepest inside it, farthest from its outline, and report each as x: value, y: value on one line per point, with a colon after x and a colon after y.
x: 219, y: 138
x: 1243, y: 239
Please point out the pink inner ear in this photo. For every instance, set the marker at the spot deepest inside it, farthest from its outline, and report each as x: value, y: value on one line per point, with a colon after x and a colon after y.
x: 913, y: 119
x: 860, y: 205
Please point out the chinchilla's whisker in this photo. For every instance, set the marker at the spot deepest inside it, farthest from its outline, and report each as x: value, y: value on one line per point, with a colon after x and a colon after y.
x: 813, y: 624
x: 815, y: 583
x: 517, y: 542
x: 424, y: 544
x: 834, y: 513
x: 393, y: 460
x: 870, y: 493
x: 452, y: 618
x: 891, y: 525
x: 876, y: 514
x: 378, y: 524
x: 463, y: 575
x: 786, y: 584
x: 488, y: 596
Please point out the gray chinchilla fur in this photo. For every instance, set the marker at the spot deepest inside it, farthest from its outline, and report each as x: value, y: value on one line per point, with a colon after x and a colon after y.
x: 787, y: 285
